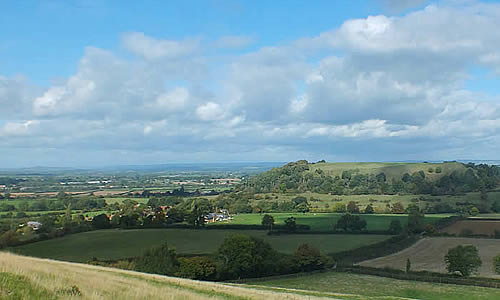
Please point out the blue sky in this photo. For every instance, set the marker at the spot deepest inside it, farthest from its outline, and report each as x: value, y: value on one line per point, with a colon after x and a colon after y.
x: 86, y: 83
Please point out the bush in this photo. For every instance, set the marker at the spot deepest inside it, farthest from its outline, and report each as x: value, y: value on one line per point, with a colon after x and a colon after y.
x: 198, y: 267
x: 159, y: 260
x: 496, y: 264
x: 395, y: 227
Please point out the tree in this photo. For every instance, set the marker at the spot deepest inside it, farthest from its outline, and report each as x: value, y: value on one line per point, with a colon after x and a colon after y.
x: 395, y: 227
x: 268, y: 221
x: 463, y: 259
x: 408, y: 265
x: 369, y: 209
x: 398, y: 208
x: 308, y: 258
x: 244, y: 256
x: 198, y: 267
x: 496, y: 264
x: 351, y: 223
x: 290, y: 224
x: 352, y: 207
x: 415, y: 219
x: 159, y: 260
x: 101, y: 222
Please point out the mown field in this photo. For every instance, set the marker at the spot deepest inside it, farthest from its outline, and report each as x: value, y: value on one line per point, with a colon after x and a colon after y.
x: 428, y: 255
x: 32, y: 278
x: 116, y: 244
x: 326, y: 221
x: 373, y: 286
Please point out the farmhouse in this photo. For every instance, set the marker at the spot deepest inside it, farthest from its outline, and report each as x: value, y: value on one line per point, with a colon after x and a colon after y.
x: 34, y: 225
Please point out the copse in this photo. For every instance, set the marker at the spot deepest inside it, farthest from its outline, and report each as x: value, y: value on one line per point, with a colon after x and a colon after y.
x: 350, y: 222
x: 268, y: 221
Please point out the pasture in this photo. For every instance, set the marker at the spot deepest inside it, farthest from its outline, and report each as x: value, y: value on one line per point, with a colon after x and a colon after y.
x: 390, y: 169
x: 326, y: 221
x: 374, y: 286
x: 428, y: 255
x: 117, y: 244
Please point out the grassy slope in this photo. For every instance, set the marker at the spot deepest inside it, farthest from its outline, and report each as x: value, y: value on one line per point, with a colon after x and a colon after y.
x: 391, y: 170
x: 115, y: 244
x: 380, y: 286
x: 32, y: 278
x: 326, y: 221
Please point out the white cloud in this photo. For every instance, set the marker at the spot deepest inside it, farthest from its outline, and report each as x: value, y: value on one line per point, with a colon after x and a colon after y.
x: 174, y: 100
x: 151, y: 48
x: 210, y: 111
x: 12, y: 129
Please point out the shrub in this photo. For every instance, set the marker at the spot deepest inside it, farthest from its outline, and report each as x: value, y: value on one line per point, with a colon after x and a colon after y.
x: 160, y: 260
x: 198, y: 267
x: 496, y: 264
x: 395, y: 227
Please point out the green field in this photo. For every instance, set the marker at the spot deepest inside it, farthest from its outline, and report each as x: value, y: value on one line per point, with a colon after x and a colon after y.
x: 326, y: 202
x: 116, y: 244
x: 391, y: 170
x: 326, y: 221
x: 379, y: 286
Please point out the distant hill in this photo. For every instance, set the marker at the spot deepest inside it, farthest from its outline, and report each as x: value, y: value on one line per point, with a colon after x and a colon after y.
x: 377, y: 178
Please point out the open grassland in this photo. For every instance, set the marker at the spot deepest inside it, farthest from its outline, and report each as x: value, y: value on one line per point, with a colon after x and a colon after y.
x: 391, y: 170
x: 117, y: 244
x: 474, y: 226
x: 326, y: 221
x: 326, y: 202
x: 428, y: 254
x: 373, y: 286
x: 32, y: 278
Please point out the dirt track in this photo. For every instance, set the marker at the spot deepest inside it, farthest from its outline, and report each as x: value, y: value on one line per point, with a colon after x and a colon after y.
x: 428, y: 254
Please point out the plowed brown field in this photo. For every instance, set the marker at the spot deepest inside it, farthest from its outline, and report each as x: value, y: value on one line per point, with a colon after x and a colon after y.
x: 428, y: 254
x: 487, y: 227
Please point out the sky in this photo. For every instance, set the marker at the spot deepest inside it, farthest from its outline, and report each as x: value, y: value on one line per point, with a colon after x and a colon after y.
x: 89, y: 83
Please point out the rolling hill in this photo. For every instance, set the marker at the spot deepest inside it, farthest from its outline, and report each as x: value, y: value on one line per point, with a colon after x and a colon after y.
x: 33, y: 278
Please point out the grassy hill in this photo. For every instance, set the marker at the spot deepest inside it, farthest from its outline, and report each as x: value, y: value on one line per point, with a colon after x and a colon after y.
x: 32, y: 278
x: 391, y: 170
x: 118, y: 244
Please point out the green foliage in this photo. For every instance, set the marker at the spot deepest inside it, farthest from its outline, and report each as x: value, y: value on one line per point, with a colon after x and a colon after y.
x: 243, y: 256
x: 496, y: 264
x: 352, y: 208
x: 408, y: 265
x: 415, y: 219
x: 463, y: 259
x: 398, y: 208
x: 290, y: 224
x: 160, y: 260
x: 268, y: 221
x: 395, y: 227
x: 309, y: 258
x: 197, y: 267
x: 369, y: 209
x: 350, y: 222
x: 101, y: 222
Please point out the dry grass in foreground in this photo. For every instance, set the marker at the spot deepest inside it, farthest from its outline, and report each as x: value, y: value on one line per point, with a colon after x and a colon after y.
x: 33, y: 278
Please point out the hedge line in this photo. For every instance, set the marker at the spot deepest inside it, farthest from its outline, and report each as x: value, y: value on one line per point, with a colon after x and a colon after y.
x: 423, y: 276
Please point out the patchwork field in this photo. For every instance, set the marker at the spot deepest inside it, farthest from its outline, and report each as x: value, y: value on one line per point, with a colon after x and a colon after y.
x: 487, y: 227
x: 385, y: 288
x: 116, y: 244
x: 428, y: 254
x: 326, y: 221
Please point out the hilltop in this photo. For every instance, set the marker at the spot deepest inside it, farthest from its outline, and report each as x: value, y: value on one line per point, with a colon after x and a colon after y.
x: 376, y: 178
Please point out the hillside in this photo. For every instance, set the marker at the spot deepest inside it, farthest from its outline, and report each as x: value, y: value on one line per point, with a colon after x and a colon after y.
x: 376, y: 178
x: 32, y: 278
